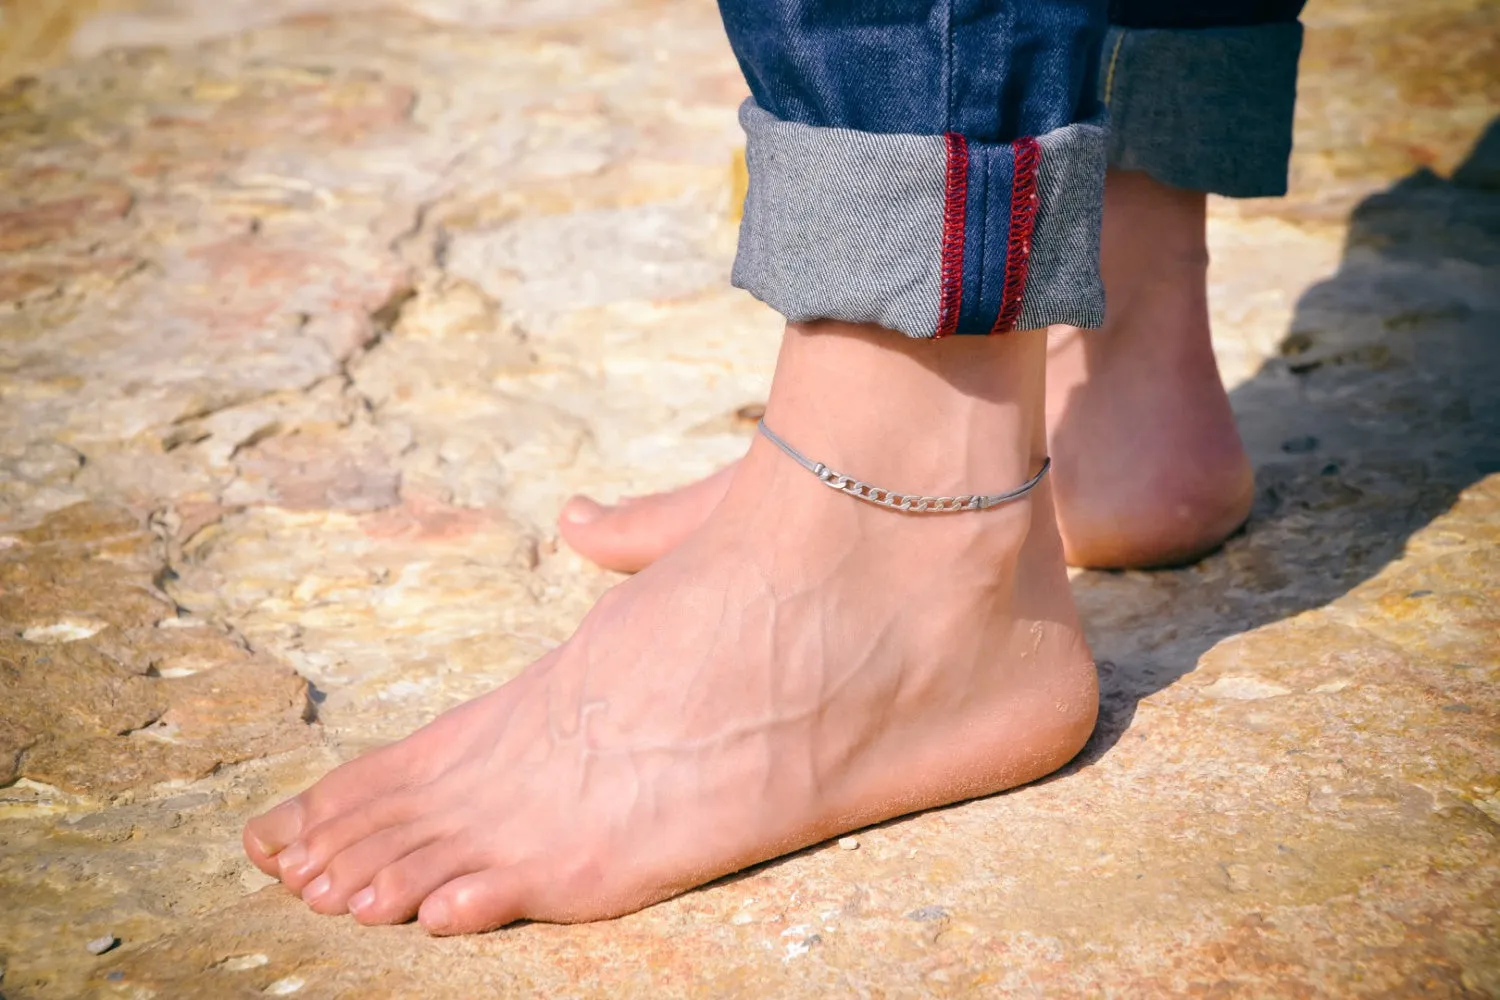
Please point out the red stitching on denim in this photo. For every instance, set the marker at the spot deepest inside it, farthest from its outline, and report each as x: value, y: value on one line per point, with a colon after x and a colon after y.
x: 955, y: 201
x: 1024, y: 201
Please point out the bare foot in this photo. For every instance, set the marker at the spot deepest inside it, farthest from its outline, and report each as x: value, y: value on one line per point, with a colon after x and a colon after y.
x: 803, y: 665
x: 1150, y: 469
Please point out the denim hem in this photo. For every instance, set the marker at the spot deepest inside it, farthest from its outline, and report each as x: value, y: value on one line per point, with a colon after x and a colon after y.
x: 923, y: 234
x: 1207, y: 109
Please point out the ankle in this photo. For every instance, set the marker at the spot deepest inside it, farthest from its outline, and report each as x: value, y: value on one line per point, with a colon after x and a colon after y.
x: 813, y: 529
x: 938, y: 418
x: 1154, y: 243
x: 1172, y: 221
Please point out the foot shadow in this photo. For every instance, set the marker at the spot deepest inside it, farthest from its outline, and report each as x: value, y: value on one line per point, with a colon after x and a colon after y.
x: 1381, y: 408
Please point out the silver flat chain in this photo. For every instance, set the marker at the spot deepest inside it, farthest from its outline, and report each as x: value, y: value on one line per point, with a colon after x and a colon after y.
x: 903, y: 501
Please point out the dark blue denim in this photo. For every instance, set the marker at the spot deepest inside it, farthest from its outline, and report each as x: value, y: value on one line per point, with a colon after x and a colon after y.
x: 990, y: 71
x: 1216, y: 14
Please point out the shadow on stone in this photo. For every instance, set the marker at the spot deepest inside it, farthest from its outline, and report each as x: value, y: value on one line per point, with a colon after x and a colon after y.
x: 1380, y: 410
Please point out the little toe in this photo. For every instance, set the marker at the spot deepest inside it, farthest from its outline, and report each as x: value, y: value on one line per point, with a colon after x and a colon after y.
x: 353, y: 868
x: 481, y: 901
x: 396, y: 891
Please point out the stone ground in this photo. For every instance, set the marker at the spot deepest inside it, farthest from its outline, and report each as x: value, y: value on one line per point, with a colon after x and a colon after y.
x: 313, y: 311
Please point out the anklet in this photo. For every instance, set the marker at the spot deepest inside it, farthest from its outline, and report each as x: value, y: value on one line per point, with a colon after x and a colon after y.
x: 902, y: 501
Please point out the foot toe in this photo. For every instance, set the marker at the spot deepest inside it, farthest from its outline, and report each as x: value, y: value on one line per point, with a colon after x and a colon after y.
x: 307, y: 858
x: 353, y: 868
x: 257, y: 852
x: 398, y: 890
x: 634, y: 533
x: 482, y: 901
x: 343, y: 789
x: 581, y: 510
x: 268, y: 834
x: 605, y: 535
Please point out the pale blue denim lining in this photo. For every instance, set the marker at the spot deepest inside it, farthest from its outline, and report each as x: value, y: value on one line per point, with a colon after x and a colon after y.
x: 848, y: 225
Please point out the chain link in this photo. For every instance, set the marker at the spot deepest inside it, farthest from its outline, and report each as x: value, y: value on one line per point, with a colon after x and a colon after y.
x: 909, y: 503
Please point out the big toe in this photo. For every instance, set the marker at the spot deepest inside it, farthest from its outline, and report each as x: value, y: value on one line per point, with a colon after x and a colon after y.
x: 625, y: 538
x: 632, y: 535
x: 268, y: 834
x: 592, y: 529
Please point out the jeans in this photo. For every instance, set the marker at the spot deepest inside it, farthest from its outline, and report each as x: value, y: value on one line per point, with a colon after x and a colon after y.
x: 937, y: 166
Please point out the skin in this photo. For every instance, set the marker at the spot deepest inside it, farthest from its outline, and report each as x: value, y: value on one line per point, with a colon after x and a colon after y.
x: 801, y: 665
x: 1148, y: 465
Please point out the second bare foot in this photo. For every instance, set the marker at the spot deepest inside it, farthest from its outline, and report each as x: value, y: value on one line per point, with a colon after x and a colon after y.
x: 1150, y: 468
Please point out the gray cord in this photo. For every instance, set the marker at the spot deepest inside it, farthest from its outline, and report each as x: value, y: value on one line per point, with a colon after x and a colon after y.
x: 902, y: 501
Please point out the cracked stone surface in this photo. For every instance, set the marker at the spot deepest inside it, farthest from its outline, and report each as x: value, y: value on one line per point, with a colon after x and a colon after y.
x: 313, y: 311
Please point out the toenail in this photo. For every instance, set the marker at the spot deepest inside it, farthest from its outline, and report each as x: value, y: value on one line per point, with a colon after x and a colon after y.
x: 435, y: 914
x: 582, y: 510
x: 362, y: 898
x: 316, y: 888
x: 292, y: 858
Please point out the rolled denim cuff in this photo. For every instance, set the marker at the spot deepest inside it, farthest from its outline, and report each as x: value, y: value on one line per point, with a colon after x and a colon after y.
x: 928, y: 235
x: 1208, y: 109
